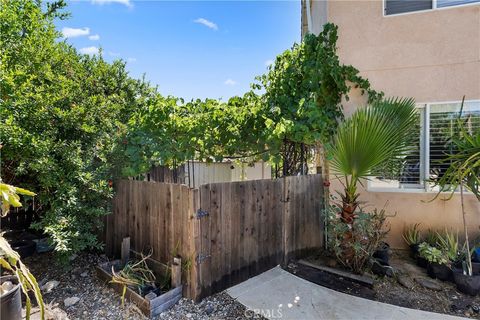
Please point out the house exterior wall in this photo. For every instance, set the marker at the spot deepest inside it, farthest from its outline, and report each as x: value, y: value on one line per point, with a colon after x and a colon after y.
x: 432, y: 56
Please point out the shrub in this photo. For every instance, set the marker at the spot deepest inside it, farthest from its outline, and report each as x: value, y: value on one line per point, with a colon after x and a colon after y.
x: 364, y: 236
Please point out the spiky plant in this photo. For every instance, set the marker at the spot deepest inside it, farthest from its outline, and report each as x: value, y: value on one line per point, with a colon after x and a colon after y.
x: 9, y: 258
x: 374, y: 139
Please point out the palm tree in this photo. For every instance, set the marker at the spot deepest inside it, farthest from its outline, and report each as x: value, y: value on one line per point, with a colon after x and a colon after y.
x: 374, y: 140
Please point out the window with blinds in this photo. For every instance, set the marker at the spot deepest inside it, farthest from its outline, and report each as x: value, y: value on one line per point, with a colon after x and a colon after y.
x: 443, y: 125
x: 411, y: 166
x: 426, y: 159
x: 403, y: 6
x: 450, y: 3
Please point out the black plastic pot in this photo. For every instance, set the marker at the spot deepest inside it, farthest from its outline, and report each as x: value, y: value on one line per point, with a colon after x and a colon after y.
x: 25, y: 248
x: 421, y: 262
x: 381, y: 268
x: 382, y: 252
x: 465, y: 283
x: 439, y: 271
x: 414, y: 250
x: 11, y: 302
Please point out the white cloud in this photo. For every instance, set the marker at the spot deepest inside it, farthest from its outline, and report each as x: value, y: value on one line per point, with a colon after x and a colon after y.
x: 75, y: 32
x: 89, y: 50
x: 207, y: 23
x: 127, y: 3
x: 94, y: 37
x: 132, y: 60
x: 113, y: 54
x: 269, y: 62
x: 230, y: 82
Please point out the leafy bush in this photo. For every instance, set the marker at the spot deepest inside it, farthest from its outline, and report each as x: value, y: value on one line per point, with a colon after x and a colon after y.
x: 355, y: 243
x: 64, y: 117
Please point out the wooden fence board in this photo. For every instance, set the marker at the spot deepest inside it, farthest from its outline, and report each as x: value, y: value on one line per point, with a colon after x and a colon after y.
x: 251, y: 226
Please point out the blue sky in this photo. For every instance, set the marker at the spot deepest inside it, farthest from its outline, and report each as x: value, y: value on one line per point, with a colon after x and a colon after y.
x: 190, y: 49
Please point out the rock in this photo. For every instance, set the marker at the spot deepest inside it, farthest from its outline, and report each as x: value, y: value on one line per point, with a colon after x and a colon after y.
x: 50, y: 285
x: 150, y: 296
x: 209, y: 309
x: 7, y: 286
x: 84, y: 274
x: 189, y: 315
x: 405, y: 281
x: 476, y: 308
x: 71, y: 301
x: 332, y: 263
x: 429, y: 284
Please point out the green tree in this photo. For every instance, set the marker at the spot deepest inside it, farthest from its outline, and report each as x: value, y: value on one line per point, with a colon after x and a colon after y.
x: 304, y: 89
x: 64, y: 118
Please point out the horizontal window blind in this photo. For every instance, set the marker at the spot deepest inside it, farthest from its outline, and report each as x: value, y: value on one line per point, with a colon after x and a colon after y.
x: 449, y: 3
x: 401, y: 6
x: 443, y: 125
x: 411, y: 174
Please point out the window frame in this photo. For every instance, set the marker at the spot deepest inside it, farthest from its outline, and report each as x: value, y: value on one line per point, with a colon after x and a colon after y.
x: 423, y: 187
x: 434, y: 8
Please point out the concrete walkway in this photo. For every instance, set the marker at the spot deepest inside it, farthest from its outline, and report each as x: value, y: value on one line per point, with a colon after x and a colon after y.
x: 278, y: 294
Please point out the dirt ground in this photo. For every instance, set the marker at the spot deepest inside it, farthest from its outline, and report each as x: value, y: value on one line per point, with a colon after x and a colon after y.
x: 444, y: 299
x: 96, y: 300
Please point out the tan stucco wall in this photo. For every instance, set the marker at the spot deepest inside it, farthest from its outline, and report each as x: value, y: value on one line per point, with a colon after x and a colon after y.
x: 430, y: 56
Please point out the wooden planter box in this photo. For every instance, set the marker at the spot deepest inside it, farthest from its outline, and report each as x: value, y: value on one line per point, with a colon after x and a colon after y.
x: 149, y: 308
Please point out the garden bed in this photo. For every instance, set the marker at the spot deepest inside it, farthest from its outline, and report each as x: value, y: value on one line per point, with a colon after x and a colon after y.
x: 149, y: 307
x: 404, y: 289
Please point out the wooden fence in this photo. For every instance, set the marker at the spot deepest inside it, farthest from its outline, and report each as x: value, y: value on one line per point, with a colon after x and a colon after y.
x: 225, y: 232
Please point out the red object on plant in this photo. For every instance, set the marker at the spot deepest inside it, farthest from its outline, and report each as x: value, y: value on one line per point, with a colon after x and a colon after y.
x: 110, y: 183
x: 125, y: 141
x: 326, y: 183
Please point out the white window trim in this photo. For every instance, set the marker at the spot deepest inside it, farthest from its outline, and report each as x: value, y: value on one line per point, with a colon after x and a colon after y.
x: 424, y: 154
x: 434, y: 8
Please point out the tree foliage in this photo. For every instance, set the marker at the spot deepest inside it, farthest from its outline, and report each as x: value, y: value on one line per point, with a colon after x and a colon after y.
x: 305, y: 86
x: 71, y: 123
x: 63, y: 117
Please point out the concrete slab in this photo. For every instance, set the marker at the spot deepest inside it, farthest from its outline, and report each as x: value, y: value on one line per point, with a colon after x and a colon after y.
x: 278, y: 294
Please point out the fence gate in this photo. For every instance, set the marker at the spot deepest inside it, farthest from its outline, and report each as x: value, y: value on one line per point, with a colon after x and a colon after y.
x: 227, y: 232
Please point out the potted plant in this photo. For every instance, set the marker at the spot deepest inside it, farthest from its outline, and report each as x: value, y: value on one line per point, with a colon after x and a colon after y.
x: 420, y: 259
x: 21, y: 278
x: 411, y: 236
x: 463, y: 172
x: 438, y: 264
x: 383, y: 252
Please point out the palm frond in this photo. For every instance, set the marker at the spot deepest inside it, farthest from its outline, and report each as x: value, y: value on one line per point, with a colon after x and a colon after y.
x: 373, y: 136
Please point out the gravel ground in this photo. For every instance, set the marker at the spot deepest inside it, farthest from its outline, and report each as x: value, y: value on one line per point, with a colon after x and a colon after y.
x: 94, y: 300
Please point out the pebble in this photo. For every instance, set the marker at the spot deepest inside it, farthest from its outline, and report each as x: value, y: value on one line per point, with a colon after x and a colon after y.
x: 50, y: 285
x: 150, y: 296
x: 429, y: 284
x: 6, y: 286
x: 84, y: 274
x: 71, y: 301
x: 405, y: 281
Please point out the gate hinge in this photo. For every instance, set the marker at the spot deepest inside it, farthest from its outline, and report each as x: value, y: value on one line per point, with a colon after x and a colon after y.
x: 201, y: 257
x: 201, y: 213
